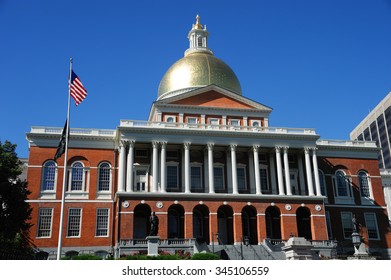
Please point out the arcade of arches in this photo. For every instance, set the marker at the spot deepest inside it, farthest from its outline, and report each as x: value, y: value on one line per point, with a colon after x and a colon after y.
x: 226, y: 223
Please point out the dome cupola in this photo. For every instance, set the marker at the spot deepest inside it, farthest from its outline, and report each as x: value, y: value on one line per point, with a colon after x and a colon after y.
x: 198, y: 68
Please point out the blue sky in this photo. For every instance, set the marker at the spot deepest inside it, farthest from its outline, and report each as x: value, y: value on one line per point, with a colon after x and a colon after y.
x: 319, y: 64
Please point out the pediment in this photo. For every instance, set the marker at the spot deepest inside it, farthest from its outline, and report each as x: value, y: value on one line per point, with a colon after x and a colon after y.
x: 214, y: 97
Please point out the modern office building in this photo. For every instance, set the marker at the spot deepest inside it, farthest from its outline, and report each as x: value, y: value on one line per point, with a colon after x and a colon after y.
x: 215, y: 173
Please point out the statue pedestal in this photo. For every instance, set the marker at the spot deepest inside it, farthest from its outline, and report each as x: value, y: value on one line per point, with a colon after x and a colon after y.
x: 298, y: 248
x: 153, y: 245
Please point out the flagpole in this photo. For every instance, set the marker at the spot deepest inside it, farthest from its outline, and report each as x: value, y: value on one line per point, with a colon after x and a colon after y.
x: 61, y: 227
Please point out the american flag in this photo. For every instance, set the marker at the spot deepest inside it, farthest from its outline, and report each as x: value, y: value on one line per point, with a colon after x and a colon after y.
x: 77, y: 90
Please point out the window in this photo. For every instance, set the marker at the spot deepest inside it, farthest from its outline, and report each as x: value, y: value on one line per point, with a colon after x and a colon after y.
x: 241, y: 175
x: 263, y: 174
x: 218, y: 172
x: 214, y: 121
x: 255, y: 123
x: 170, y: 119
x: 141, y: 153
x: 235, y: 122
x: 347, y: 224
x: 74, y: 222
x: 49, y: 176
x: 342, y: 188
x: 172, y: 154
x: 102, y: 222
x: 363, y: 180
x: 192, y: 120
x: 141, y: 180
x: 77, y: 176
x: 196, y: 178
x: 172, y: 177
x: 371, y: 225
x: 45, y: 218
x: 104, y: 177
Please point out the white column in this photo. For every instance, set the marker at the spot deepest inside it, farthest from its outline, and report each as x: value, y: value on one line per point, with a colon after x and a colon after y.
x: 280, y: 177
x: 129, y: 167
x: 187, y: 167
x: 234, y: 170
x: 210, y: 168
x: 308, y: 171
x: 155, y: 172
x: 206, y: 171
x: 287, y: 172
x: 122, y: 163
x: 316, y: 172
x: 256, y: 170
x: 163, y: 167
x: 273, y: 185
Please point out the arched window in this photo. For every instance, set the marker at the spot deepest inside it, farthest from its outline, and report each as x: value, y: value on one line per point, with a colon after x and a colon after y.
x: 364, y: 184
x: 342, y: 188
x: 104, y: 177
x: 342, y: 184
x: 77, y: 176
x: 49, y: 171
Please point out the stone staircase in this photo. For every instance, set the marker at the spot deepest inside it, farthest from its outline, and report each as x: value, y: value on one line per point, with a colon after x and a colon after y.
x: 249, y: 252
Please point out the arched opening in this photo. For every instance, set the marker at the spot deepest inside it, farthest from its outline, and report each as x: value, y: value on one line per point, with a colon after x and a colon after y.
x: 201, y: 223
x: 225, y: 224
x: 175, y: 226
x: 273, y: 222
x: 141, y: 225
x: 303, y: 221
x: 249, y: 224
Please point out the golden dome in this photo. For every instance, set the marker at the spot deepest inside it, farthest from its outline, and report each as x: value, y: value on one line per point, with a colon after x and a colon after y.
x: 199, y: 68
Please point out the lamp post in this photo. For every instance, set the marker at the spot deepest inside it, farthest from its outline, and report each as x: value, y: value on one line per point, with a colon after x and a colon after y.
x: 245, y: 240
x: 359, y: 251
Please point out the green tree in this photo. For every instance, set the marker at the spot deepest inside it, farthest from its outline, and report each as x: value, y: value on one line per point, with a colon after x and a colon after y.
x: 15, y: 212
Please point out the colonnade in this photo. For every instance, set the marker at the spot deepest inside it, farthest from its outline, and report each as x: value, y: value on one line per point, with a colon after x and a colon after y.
x: 279, y: 159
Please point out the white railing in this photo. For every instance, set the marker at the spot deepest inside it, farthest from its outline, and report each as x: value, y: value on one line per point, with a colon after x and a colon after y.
x: 346, y: 143
x: 74, y: 131
x: 275, y: 130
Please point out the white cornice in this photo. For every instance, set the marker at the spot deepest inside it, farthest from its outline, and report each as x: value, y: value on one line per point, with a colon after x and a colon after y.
x: 227, y: 197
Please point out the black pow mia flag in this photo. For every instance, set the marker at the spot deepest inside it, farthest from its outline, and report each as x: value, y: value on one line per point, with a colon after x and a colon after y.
x: 61, y: 144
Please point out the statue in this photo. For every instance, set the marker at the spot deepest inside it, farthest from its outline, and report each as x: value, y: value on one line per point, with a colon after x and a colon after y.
x: 356, y: 225
x: 154, y: 222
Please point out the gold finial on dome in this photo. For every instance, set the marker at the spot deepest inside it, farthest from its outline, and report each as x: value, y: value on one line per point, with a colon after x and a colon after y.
x: 198, y: 25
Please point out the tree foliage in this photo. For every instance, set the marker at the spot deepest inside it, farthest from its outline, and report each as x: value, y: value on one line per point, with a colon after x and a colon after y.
x: 15, y: 212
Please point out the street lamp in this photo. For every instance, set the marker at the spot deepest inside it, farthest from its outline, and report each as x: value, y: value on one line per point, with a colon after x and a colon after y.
x: 246, y: 242
x: 356, y: 240
x: 356, y: 237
